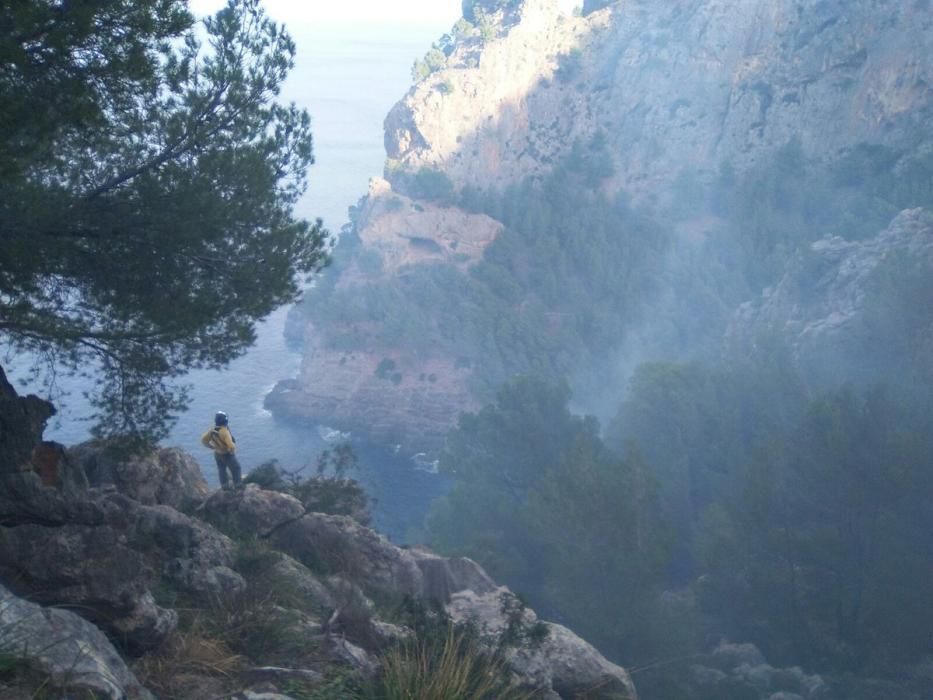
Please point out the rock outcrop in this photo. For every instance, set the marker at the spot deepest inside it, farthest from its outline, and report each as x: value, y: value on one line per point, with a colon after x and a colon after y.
x: 70, y: 655
x: 822, y: 308
x: 281, y: 608
x: 390, y: 396
x: 169, y: 476
x: 557, y: 663
x: 106, y: 565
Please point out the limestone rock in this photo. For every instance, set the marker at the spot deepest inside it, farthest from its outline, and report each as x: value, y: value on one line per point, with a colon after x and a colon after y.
x: 167, y: 476
x: 405, y: 232
x: 105, y: 565
x: 299, y: 578
x: 76, y: 655
x: 251, y: 510
x: 563, y: 663
x: 188, y: 553
x: 92, y: 569
x: 22, y: 420
x: 444, y: 576
x: 56, y: 469
x: 560, y: 662
x: 344, y: 651
x: 667, y: 89
x: 673, y: 85
x: 340, y: 544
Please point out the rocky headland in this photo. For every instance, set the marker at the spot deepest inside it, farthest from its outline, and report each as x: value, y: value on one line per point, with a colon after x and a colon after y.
x: 661, y: 101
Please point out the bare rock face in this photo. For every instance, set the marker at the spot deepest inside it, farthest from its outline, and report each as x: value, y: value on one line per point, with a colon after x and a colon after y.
x: 673, y: 85
x: 404, y: 232
x: 92, y: 569
x: 821, y: 306
x: 184, y: 551
x: 339, y: 543
x: 106, y: 565
x: 168, y: 476
x: 299, y: 578
x: 75, y: 655
x: 479, y: 126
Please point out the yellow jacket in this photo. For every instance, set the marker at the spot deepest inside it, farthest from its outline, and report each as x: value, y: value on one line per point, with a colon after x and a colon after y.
x: 220, y: 440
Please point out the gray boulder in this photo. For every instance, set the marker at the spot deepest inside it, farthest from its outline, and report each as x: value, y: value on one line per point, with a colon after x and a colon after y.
x: 293, y: 575
x: 251, y: 510
x: 91, y: 569
x: 560, y: 664
x: 164, y: 476
x: 555, y: 661
x: 339, y: 544
x: 105, y: 565
x: 75, y: 655
x: 187, y: 553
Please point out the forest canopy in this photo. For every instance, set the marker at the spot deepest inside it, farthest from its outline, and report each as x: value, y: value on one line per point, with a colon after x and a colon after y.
x: 147, y: 183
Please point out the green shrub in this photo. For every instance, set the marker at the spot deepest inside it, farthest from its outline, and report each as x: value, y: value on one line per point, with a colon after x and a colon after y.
x: 433, y: 185
x: 433, y: 61
x: 385, y: 368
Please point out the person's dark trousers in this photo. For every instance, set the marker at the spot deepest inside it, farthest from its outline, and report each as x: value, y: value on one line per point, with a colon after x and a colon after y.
x: 225, y: 462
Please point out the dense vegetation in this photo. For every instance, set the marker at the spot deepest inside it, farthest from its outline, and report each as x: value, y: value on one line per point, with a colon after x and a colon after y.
x: 741, y: 509
x: 557, y: 287
x: 147, y: 185
x: 779, y: 499
x: 760, y: 500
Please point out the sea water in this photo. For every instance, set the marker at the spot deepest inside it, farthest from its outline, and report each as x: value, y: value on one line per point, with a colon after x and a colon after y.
x: 347, y: 77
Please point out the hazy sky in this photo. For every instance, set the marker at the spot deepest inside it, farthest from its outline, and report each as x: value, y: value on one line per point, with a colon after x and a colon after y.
x: 293, y: 12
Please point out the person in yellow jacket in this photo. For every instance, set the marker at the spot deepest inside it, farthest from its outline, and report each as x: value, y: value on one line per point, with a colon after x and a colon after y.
x: 221, y: 440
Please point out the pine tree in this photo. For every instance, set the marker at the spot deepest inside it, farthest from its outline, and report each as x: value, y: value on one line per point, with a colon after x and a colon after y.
x: 147, y: 184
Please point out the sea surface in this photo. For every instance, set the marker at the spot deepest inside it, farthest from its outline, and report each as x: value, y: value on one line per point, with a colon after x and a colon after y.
x: 347, y: 77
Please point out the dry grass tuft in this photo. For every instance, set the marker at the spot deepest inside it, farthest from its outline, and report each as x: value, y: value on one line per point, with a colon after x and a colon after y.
x: 187, y: 654
x: 450, y: 665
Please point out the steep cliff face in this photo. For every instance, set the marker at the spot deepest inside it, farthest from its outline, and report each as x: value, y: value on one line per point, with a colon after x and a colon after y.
x: 656, y: 103
x: 673, y: 85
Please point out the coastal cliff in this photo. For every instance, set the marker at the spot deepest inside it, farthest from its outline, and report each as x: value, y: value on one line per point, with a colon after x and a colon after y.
x: 686, y: 113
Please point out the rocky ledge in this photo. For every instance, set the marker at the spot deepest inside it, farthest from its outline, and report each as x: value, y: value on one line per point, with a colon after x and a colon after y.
x: 107, y: 590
